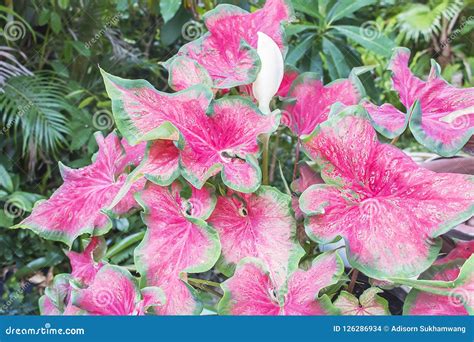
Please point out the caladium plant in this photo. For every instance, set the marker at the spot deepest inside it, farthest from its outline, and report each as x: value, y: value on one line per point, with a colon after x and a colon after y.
x: 454, y: 302
x: 75, y: 207
x: 178, y: 241
x: 227, y: 53
x: 370, y: 187
x: 220, y: 234
x: 368, y: 304
x: 440, y: 116
x: 252, y: 290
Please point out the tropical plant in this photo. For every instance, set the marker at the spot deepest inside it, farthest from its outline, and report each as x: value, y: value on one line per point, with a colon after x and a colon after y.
x: 195, y: 163
x: 191, y: 201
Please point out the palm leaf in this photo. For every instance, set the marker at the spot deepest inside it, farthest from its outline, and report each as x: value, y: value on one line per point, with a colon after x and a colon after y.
x: 9, y: 64
x: 35, y: 108
x: 424, y: 20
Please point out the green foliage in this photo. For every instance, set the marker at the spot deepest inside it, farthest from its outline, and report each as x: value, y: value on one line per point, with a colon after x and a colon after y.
x: 36, y: 109
x: 425, y: 20
x: 328, y: 34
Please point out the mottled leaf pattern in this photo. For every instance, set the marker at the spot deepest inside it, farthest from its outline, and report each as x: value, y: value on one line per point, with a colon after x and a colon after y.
x: 75, y: 207
x: 251, y: 291
x: 368, y: 304
x: 227, y: 52
x: 310, y: 101
x: 224, y: 139
x: 258, y: 225
x: 177, y: 242
x: 387, y: 208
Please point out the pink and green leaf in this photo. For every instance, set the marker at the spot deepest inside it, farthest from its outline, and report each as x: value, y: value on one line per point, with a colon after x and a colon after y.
x: 186, y: 72
x: 453, y: 300
x: 143, y: 113
x: 387, y: 208
x: 387, y: 119
x: 114, y: 291
x: 160, y: 164
x: 152, y: 297
x: 368, y: 304
x: 251, y: 290
x: 307, y: 177
x: 444, y: 121
x: 84, y: 267
x: 75, y: 207
x: 56, y: 297
x: 303, y: 287
x: 228, y: 52
x: 177, y: 242
x: 310, y: 101
x: 227, y: 141
x: 224, y: 139
x: 257, y: 225
x: 291, y: 74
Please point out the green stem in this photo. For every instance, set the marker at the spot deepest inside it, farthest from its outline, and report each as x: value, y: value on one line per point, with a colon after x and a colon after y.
x: 265, y: 158
x: 204, y: 282
x: 125, y: 243
x: 274, y: 157
x: 297, y: 157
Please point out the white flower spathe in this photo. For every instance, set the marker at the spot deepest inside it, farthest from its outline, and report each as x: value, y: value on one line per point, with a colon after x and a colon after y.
x: 271, y: 72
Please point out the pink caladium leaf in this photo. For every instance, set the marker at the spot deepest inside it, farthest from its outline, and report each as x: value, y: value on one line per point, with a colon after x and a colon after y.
x: 114, y: 291
x: 368, y: 304
x: 441, y: 116
x: 310, y: 101
x: 186, y: 72
x: 133, y: 154
x: 223, y: 140
x: 257, y: 225
x: 307, y: 177
x: 446, y: 269
x: 84, y: 267
x: 161, y: 162
x: 463, y: 250
x: 388, y: 209
x: 228, y: 52
x: 55, y: 301
x: 291, y: 74
x: 387, y: 119
x: 178, y: 241
x: 251, y: 290
x: 75, y: 207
